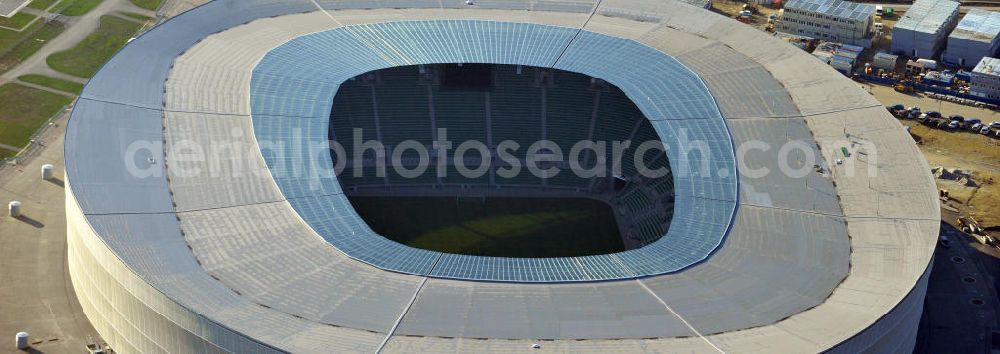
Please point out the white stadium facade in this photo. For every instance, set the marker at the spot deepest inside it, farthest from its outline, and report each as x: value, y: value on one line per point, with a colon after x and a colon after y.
x: 836, y: 259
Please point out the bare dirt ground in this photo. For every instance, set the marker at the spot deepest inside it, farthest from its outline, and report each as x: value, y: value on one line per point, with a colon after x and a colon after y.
x: 731, y: 8
x: 975, y: 153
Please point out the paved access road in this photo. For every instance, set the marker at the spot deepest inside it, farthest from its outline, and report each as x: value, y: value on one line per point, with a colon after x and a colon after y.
x: 36, y: 295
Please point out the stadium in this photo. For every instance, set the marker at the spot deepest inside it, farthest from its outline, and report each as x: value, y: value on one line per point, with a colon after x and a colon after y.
x: 218, y: 199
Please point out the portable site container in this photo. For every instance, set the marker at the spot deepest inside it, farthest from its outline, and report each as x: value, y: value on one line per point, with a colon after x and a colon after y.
x: 975, y: 37
x: 923, y: 30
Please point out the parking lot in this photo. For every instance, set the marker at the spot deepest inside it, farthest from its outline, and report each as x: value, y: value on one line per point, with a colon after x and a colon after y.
x: 953, y: 122
x: 969, y: 151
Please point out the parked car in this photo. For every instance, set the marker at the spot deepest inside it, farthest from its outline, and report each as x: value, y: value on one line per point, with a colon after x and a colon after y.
x: 985, y: 130
x: 895, y: 107
x: 995, y: 124
x: 957, y: 118
x: 913, y: 114
x: 934, y: 114
x: 953, y: 125
x: 922, y: 116
x: 943, y: 124
x: 973, y: 121
x: 976, y: 127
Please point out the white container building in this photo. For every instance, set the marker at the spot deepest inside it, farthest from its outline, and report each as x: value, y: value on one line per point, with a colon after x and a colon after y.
x: 975, y: 37
x: 923, y: 30
x: 842, y: 57
x: 835, y: 21
x: 986, y: 79
x: 885, y: 61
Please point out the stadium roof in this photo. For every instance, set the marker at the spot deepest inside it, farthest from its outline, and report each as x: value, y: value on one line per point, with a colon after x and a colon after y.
x: 676, y: 100
x: 979, y: 25
x: 247, y: 253
x: 928, y: 16
x: 834, y: 8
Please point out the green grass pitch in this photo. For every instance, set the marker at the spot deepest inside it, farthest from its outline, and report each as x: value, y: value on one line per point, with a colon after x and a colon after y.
x: 500, y: 227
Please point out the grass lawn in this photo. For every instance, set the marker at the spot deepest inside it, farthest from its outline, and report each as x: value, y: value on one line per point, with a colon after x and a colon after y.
x: 502, y: 227
x: 4, y: 153
x: 41, y: 4
x: 78, y: 7
x: 84, y: 59
x: 53, y: 83
x: 23, y: 110
x: 30, y: 45
x: 17, y: 21
x: 139, y: 17
x: 151, y: 5
x: 8, y: 37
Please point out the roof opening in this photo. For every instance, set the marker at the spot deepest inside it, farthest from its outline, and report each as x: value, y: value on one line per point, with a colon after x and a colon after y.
x: 500, y: 160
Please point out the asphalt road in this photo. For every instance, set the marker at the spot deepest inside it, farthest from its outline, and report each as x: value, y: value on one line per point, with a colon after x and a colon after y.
x: 36, y: 293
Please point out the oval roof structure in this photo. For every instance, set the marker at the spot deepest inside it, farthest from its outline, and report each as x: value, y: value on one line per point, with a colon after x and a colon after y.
x: 835, y: 258
x: 670, y: 95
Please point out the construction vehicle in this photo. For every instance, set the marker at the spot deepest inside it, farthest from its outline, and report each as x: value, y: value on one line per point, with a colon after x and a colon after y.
x: 903, y: 87
x: 970, y: 226
x: 770, y: 23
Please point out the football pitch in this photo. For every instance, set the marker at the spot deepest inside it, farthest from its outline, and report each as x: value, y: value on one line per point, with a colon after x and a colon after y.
x: 499, y: 227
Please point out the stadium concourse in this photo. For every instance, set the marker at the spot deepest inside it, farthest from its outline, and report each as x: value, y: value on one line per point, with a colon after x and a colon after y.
x: 252, y: 259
